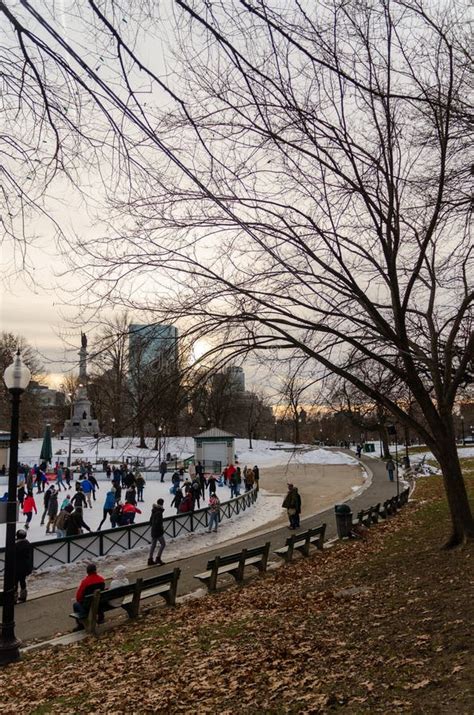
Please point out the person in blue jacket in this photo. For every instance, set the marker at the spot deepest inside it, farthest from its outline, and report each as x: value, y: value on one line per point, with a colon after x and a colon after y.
x: 109, y: 505
x: 87, y: 489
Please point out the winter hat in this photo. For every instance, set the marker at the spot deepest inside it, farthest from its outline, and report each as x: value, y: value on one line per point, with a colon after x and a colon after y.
x: 120, y: 571
x: 290, y: 486
x: 21, y: 534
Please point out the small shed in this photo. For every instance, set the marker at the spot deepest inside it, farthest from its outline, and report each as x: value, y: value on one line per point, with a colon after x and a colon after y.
x: 214, y: 448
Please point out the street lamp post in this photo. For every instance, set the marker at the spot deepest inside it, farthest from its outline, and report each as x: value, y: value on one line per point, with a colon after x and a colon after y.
x: 113, y: 431
x: 276, y: 423
x: 160, y: 430
x: 16, y: 377
x: 71, y: 410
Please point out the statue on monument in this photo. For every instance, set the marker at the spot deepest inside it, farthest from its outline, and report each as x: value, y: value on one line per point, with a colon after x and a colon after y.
x: 83, y: 340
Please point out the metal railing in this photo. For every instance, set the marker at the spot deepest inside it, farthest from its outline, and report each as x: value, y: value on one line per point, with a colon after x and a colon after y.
x: 66, y: 550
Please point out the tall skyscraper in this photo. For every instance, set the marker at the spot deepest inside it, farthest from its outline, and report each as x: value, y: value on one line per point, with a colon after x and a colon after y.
x: 152, y: 345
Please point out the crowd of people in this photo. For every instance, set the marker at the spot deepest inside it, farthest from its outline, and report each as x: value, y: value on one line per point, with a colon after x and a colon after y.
x: 67, y: 517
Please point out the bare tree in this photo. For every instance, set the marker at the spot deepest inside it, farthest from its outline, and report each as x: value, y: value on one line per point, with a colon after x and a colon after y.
x: 310, y: 188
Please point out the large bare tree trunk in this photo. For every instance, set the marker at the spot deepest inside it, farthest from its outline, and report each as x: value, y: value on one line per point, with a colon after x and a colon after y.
x: 459, y: 507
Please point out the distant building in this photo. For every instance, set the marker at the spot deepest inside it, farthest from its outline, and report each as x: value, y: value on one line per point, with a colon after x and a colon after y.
x: 50, y: 402
x: 237, y: 378
x: 152, y: 345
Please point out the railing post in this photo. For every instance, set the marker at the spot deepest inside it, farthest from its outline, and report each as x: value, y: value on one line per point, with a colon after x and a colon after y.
x: 101, y: 545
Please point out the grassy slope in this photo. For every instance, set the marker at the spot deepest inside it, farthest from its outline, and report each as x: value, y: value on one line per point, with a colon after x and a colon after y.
x: 374, y: 626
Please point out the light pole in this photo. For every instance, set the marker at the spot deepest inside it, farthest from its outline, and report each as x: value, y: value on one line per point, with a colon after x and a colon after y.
x: 160, y: 430
x: 113, y: 431
x: 16, y: 377
x: 276, y: 423
x: 71, y: 408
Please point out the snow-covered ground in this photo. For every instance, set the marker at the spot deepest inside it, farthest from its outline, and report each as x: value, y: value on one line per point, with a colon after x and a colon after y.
x: 265, y: 453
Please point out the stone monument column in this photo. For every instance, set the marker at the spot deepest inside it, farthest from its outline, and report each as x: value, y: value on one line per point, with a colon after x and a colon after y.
x: 82, y: 423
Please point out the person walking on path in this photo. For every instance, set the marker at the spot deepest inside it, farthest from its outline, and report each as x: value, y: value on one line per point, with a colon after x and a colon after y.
x: 214, y: 505
x: 23, y: 564
x: 390, y: 467
x: 108, y: 507
x: 29, y: 506
x: 92, y: 582
x: 290, y: 503
x: 157, y: 533
x: 53, y: 509
x: 163, y: 470
x: 359, y: 450
x: 298, y: 508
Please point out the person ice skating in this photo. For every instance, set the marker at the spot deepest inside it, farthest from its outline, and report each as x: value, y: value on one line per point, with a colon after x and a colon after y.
x: 119, y: 579
x: 116, y: 515
x: 53, y: 509
x: 196, y: 493
x: 94, y: 483
x: 163, y: 470
x: 186, y: 504
x: 390, y: 467
x: 59, y: 477
x: 61, y: 521
x: 177, y: 499
x: 29, y: 506
x: 75, y: 524
x: 140, y: 483
x: 128, y: 513
x: 109, y: 505
x: 290, y: 503
x: 21, y: 494
x: 191, y: 471
x: 86, y: 486
x: 212, y: 484
x: 46, y: 498
x: 213, y: 512
x: 78, y: 499
x: 92, y: 582
x: 157, y: 533
x: 23, y: 564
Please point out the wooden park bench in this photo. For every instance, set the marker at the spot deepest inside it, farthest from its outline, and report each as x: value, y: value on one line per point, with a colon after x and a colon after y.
x: 367, y: 517
x: 389, y: 508
x: 164, y: 585
x: 403, y: 498
x: 234, y: 565
x: 302, y: 542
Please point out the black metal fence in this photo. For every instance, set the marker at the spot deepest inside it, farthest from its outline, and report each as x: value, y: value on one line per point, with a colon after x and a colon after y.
x: 56, y: 552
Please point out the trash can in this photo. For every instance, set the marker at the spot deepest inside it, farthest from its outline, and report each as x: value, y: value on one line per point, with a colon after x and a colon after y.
x: 369, y: 447
x: 343, y: 520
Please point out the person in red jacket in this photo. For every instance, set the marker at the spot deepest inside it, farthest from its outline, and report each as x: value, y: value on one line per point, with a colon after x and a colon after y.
x: 88, y: 585
x: 28, y: 506
x: 128, y: 513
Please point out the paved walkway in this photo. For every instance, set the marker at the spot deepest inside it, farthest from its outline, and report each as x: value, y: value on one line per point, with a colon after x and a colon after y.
x: 47, y: 616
